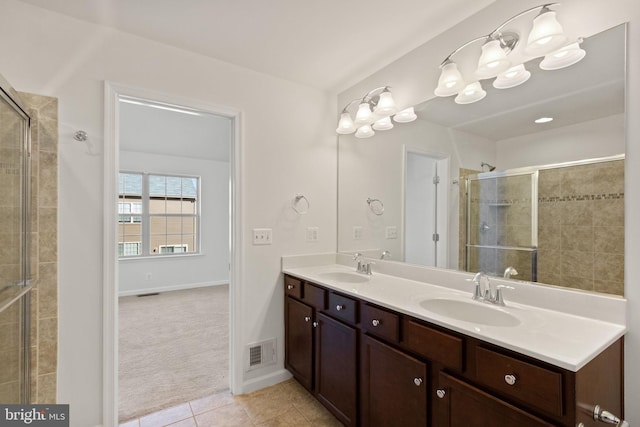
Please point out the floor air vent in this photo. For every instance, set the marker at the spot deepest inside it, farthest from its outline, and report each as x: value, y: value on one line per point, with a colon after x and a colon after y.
x: 260, y: 354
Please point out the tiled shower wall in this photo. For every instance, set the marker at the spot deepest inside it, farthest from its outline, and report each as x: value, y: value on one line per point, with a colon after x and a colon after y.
x: 44, y: 246
x: 581, y: 226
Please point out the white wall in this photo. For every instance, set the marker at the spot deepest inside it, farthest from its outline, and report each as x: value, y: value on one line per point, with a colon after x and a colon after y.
x: 284, y: 151
x: 211, y: 266
x: 414, y: 76
x: 374, y: 167
x: 587, y: 140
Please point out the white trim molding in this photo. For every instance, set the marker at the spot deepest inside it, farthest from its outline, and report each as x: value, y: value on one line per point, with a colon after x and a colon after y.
x: 112, y: 92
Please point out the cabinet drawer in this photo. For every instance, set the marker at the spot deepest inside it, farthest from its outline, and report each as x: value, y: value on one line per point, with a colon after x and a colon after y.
x: 315, y: 296
x: 533, y: 385
x: 343, y: 308
x: 380, y: 322
x: 434, y: 345
x: 293, y: 287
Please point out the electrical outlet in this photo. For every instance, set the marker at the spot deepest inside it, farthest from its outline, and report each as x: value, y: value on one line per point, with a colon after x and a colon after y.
x: 312, y: 234
x: 391, y: 232
x: 262, y: 236
x: 148, y: 276
x: 357, y: 232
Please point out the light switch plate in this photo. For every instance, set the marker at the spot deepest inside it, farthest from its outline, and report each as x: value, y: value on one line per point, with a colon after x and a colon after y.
x: 262, y: 236
x: 357, y: 232
x: 312, y: 234
x: 391, y: 232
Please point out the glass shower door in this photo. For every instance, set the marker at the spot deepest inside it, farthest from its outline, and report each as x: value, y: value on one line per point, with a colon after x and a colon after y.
x: 501, y: 223
x: 14, y: 251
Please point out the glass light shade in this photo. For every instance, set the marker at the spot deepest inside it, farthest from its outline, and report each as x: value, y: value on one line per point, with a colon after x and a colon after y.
x: 546, y: 35
x: 563, y: 57
x: 513, y: 77
x: 405, y: 116
x: 345, y: 125
x: 365, y: 132
x: 472, y: 93
x: 493, y: 60
x: 386, y: 105
x: 450, y: 81
x: 364, y: 114
x: 383, y: 124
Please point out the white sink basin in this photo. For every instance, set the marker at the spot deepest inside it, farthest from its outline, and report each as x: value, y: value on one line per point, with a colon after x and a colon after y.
x: 470, y: 311
x: 344, y: 277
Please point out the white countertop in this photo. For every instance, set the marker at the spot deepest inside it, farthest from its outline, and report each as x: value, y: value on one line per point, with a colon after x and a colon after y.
x: 560, y: 338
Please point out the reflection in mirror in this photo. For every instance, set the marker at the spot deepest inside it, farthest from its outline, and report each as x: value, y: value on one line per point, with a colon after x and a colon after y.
x: 444, y: 208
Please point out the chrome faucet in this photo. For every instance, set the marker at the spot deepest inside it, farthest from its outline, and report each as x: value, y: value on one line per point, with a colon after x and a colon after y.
x: 510, y: 271
x: 385, y: 255
x: 362, y: 267
x: 483, y: 291
x: 358, y: 258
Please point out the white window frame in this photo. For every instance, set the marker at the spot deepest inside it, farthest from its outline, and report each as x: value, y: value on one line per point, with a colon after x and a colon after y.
x: 146, y: 218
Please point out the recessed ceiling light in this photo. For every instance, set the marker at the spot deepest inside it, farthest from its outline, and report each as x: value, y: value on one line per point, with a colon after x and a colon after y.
x: 544, y: 120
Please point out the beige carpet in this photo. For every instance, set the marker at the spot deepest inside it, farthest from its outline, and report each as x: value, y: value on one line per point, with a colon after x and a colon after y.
x: 173, y: 348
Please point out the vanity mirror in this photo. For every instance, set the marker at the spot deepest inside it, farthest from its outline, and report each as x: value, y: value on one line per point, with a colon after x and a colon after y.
x: 557, y: 189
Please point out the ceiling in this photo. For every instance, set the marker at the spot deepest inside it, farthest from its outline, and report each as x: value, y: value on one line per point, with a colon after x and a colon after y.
x: 329, y: 44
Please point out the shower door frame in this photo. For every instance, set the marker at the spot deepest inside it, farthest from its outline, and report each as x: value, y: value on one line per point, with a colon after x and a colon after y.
x: 23, y: 288
x: 533, y: 171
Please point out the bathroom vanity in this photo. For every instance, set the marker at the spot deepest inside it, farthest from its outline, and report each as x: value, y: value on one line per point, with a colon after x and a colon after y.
x: 416, y: 360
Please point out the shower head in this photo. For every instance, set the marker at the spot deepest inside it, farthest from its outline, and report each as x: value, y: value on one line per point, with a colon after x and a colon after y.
x: 491, y: 168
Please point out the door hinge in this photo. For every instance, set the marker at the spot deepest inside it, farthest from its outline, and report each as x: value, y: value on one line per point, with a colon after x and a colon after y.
x: 436, y: 237
x: 436, y: 180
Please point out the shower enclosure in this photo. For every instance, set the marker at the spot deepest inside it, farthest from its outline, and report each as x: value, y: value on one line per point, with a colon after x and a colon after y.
x: 501, y: 223
x: 14, y: 248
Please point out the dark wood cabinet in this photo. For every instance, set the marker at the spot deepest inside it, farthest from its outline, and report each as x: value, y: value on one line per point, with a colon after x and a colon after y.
x: 372, y: 366
x: 458, y: 404
x: 393, y: 387
x: 321, y: 352
x: 299, y: 320
x: 336, y: 368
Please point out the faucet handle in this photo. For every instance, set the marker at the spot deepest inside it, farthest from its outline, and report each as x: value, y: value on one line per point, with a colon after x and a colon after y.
x: 477, y: 279
x: 356, y: 256
x: 367, y: 269
x: 499, y: 300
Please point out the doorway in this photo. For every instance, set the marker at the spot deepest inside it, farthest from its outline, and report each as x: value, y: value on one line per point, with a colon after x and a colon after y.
x: 425, y: 207
x: 153, y: 267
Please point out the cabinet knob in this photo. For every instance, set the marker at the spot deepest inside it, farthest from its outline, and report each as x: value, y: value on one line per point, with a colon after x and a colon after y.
x: 441, y: 393
x: 307, y: 318
x: 510, y: 379
x: 375, y: 322
x: 315, y: 324
x: 290, y: 287
x: 340, y: 307
x: 417, y: 381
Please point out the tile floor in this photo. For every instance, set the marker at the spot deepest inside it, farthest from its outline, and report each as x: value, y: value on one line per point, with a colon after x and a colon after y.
x: 284, y: 404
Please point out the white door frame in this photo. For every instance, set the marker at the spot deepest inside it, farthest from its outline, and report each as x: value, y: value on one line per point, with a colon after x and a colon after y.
x: 110, y: 256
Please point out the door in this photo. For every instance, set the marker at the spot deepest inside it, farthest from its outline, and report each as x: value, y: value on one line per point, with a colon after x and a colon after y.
x: 14, y: 261
x: 299, y: 341
x: 425, y: 209
x: 336, y: 350
x: 394, y: 387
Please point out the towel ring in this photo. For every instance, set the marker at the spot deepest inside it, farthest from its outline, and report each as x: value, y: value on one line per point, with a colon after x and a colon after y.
x: 301, y: 204
x: 376, y: 206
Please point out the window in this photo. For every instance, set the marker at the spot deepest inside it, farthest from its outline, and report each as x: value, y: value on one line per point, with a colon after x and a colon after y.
x: 157, y: 214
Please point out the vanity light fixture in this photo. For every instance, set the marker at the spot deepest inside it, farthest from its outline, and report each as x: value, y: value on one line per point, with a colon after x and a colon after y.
x: 375, y: 110
x: 546, y: 38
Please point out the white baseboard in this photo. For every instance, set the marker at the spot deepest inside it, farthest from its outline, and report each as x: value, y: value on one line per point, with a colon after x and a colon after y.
x: 170, y: 288
x: 265, y: 381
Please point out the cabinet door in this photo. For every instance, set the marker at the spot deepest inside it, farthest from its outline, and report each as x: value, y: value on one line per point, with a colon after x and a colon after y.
x: 336, y: 368
x: 394, y: 387
x: 458, y: 404
x: 299, y: 341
